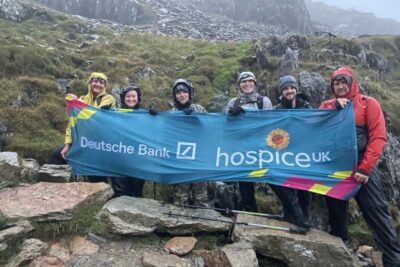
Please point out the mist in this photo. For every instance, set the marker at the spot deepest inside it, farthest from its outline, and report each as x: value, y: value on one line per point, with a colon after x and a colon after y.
x: 380, y: 8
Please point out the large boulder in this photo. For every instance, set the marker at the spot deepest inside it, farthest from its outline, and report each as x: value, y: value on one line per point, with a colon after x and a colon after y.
x: 14, y: 10
x: 316, y: 248
x: 314, y: 86
x: 51, y: 201
x: 140, y: 216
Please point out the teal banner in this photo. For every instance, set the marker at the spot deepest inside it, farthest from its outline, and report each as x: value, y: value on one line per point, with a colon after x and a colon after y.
x: 312, y: 150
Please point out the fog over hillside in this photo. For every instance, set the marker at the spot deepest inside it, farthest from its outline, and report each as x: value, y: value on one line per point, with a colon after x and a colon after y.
x: 382, y: 9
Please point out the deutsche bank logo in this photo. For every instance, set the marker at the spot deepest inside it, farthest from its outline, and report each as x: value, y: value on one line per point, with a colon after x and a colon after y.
x: 186, y: 150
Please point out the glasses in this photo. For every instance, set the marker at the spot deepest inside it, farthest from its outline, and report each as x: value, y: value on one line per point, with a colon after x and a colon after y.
x: 98, y: 80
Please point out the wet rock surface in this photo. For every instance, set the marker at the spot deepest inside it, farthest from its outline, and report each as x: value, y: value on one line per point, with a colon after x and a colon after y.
x: 50, y: 201
x: 140, y: 216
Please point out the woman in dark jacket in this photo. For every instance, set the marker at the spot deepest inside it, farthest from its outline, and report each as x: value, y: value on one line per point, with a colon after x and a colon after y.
x: 296, y: 204
x: 129, y: 186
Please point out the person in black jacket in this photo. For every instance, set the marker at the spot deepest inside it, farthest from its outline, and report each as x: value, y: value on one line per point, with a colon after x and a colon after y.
x: 129, y: 186
x: 296, y: 204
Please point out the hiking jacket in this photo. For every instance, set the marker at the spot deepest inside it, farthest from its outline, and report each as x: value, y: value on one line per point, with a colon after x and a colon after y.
x: 249, y: 101
x: 194, y: 107
x: 102, y: 100
x: 301, y: 102
x: 368, y: 115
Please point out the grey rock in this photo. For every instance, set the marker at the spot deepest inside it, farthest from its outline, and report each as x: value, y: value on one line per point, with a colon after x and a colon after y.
x: 29, y: 171
x: 145, y: 73
x: 314, y: 86
x: 84, y: 45
x: 289, y: 62
x: 316, y: 248
x: 51, y: 201
x: 233, y: 255
x: 217, y: 103
x: 55, y: 173
x: 140, y: 216
x: 10, y: 157
x: 14, y: 10
x: 31, y: 249
x: 162, y: 260
x: 10, y: 168
x: 13, y: 234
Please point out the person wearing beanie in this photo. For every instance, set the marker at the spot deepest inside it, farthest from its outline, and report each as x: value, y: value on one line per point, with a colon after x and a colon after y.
x: 248, y: 99
x: 130, y: 97
x: 194, y: 193
x: 289, y: 96
x: 97, y: 97
x: 296, y: 204
x: 371, y: 139
x: 182, y: 95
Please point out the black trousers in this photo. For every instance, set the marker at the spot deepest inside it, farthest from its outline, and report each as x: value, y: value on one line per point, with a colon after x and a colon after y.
x: 127, y: 186
x: 247, y: 193
x: 296, y: 204
x: 374, y: 208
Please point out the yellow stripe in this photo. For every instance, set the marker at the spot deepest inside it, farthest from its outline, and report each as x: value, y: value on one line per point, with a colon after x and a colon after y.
x: 341, y: 175
x: 72, y: 121
x: 85, y: 114
x: 258, y: 173
x: 320, y: 189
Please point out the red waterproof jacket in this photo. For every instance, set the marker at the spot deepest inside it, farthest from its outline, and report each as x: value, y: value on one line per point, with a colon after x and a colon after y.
x: 368, y: 113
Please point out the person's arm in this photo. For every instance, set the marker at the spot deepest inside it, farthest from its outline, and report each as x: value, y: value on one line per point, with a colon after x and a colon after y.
x: 267, y: 105
x: 107, y: 102
x: 375, y: 122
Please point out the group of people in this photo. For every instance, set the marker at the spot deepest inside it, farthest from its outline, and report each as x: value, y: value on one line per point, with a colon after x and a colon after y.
x: 371, y: 138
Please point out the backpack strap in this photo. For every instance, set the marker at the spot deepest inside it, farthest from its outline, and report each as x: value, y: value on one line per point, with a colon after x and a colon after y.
x: 260, y: 102
x: 98, y: 100
x: 237, y: 102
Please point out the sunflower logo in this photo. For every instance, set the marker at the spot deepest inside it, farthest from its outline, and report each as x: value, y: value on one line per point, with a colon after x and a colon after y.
x: 278, y: 139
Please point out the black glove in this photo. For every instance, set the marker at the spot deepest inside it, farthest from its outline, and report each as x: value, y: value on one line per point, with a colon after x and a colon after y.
x: 337, y: 104
x: 235, y: 110
x: 153, y: 111
x: 187, y: 111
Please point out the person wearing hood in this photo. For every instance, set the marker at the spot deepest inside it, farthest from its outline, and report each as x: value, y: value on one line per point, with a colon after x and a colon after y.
x: 248, y: 99
x: 131, y: 97
x: 371, y: 139
x: 182, y: 95
x: 296, y: 204
x: 194, y: 193
x: 97, y: 97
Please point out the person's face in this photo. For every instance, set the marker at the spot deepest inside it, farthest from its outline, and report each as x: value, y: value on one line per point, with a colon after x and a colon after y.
x: 247, y: 87
x: 131, y: 99
x: 182, y: 97
x: 97, y: 85
x: 341, y: 88
x: 289, y: 92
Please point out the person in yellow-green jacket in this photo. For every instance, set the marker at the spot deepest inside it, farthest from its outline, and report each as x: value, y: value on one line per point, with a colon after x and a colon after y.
x: 97, y: 97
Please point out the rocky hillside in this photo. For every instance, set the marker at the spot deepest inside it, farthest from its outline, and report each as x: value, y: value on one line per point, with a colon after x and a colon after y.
x: 349, y: 22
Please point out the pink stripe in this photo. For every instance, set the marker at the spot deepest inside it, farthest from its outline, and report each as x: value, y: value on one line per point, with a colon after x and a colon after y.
x: 75, y: 103
x: 300, y: 183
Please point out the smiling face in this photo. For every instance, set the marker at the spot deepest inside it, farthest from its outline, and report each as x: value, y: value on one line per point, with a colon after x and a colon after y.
x: 182, y: 97
x: 289, y: 92
x: 340, y: 88
x: 131, y: 99
x: 97, y: 85
x: 247, y: 87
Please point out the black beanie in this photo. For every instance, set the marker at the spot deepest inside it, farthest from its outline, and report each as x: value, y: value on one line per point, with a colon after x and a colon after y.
x: 286, y: 81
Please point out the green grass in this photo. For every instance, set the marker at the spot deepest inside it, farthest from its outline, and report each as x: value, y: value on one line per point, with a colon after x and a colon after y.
x: 33, y: 58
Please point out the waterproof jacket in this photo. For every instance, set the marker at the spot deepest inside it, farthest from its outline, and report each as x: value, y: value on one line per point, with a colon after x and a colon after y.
x: 102, y: 100
x: 194, y: 107
x: 369, y: 116
x: 249, y: 101
x: 301, y: 102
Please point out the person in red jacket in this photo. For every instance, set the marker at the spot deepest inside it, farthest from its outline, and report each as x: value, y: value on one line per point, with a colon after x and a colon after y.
x: 371, y: 138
